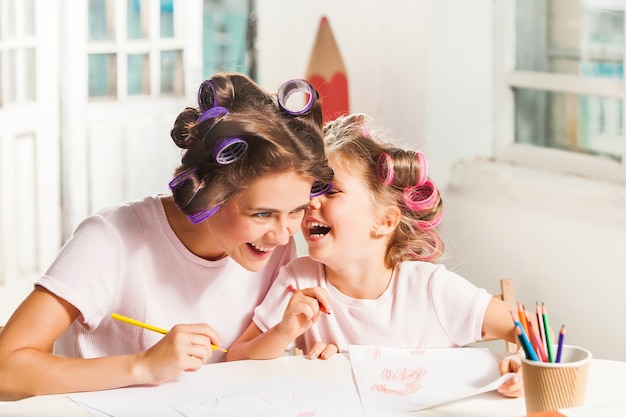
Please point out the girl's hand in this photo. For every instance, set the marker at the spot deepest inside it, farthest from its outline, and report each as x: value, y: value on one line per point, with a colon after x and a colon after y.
x: 184, y: 348
x: 514, y: 387
x: 304, y: 308
x: 322, y: 350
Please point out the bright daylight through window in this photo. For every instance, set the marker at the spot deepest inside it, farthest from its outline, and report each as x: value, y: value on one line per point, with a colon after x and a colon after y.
x: 562, y: 67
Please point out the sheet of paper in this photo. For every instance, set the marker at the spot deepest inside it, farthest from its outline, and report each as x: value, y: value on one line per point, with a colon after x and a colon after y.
x: 278, y: 396
x: 288, y: 386
x: 401, y: 380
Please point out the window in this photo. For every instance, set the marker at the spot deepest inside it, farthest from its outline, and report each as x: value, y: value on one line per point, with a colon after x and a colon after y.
x: 17, y: 52
x: 135, y: 49
x: 227, y: 36
x: 561, y: 88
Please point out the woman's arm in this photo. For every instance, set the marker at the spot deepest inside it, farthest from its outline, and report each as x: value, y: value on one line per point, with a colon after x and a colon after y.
x: 27, y: 366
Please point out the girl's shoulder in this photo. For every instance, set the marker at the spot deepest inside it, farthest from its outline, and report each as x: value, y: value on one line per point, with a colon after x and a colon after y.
x: 427, y: 274
x: 305, y: 270
x: 304, y: 263
x: 421, y: 269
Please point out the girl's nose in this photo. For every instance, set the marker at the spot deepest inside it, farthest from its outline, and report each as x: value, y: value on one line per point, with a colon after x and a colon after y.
x: 315, y: 204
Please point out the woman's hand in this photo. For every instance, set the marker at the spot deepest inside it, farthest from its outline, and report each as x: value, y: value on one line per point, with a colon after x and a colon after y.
x: 514, y: 387
x: 184, y: 348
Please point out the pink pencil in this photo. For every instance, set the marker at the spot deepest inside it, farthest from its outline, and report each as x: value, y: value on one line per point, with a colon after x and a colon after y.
x: 542, y: 332
x: 536, y: 341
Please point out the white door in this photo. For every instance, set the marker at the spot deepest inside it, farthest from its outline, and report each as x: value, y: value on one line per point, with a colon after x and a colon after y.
x: 89, y: 90
x: 30, y: 216
x: 130, y: 67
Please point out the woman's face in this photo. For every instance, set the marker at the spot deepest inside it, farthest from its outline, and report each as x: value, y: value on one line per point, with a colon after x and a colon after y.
x: 252, y: 224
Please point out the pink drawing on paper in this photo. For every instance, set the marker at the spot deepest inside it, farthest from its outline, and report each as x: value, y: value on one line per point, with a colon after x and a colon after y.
x: 400, y: 382
x: 373, y: 352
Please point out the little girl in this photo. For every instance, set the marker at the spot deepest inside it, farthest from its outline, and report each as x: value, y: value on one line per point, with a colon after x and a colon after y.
x: 371, y: 277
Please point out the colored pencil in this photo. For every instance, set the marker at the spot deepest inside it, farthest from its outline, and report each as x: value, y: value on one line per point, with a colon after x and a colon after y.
x: 560, y: 345
x: 322, y: 308
x: 522, y: 316
x: 523, y: 340
x: 542, y: 333
x: 536, y: 342
x: 546, y: 328
x: 150, y: 327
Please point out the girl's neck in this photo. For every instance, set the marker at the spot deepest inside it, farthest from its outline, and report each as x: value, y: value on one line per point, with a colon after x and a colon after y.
x: 366, y: 281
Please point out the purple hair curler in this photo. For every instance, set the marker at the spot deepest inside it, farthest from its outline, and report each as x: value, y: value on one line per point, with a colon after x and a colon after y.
x: 182, y: 177
x: 211, y: 113
x: 206, y: 95
x: 203, y: 215
x: 228, y: 150
x: 319, y: 188
x: 296, y: 86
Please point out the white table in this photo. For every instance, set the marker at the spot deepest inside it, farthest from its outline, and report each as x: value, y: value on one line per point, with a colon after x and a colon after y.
x: 605, y: 391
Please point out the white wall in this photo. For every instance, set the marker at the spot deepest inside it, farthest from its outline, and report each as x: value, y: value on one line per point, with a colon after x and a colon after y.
x: 424, y: 70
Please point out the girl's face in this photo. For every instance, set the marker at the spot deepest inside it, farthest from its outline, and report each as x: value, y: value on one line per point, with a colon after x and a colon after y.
x: 251, y: 225
x: 339, y: 224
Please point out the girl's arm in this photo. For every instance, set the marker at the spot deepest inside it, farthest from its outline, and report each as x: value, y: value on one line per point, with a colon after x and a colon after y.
x: 301, y: 313
x: 498, y: 322
x: 27, y: 366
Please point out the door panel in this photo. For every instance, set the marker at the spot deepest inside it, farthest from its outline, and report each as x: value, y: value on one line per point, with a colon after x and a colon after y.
x: 29, y: 147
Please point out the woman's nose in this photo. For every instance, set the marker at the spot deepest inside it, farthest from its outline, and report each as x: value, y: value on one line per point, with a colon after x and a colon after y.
x: 283, y: 230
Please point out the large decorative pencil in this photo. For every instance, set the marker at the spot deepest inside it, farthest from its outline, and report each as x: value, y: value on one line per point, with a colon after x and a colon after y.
x: 327, y: 73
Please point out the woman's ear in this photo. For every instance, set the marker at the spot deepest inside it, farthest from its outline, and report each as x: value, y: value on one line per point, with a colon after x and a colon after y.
x: 388, y: 221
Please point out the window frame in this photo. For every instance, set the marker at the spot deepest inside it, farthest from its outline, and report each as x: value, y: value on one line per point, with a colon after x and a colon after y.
x: 152, y: 46
x: 507, y: 78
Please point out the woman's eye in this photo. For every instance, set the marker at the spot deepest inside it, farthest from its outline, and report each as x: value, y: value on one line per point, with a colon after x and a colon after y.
x: 263, y: 214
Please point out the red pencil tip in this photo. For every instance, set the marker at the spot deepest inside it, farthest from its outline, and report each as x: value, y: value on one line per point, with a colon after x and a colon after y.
x: 324, y: 20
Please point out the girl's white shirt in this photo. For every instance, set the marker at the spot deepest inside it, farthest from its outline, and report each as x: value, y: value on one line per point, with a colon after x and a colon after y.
x: 128, y: 260
x: 424, y: 306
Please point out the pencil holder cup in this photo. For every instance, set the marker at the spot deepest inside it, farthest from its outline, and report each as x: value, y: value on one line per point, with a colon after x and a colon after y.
x: 551, y: 386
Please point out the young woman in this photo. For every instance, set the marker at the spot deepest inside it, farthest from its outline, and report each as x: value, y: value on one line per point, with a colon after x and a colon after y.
x: 373, y: 247
x: 195, y: 262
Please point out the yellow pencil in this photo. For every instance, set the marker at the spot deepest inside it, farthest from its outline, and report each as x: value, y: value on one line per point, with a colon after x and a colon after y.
x: 150, y: 327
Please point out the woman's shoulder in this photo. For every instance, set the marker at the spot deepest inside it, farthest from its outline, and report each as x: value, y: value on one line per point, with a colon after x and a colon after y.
x: 130, y: 216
